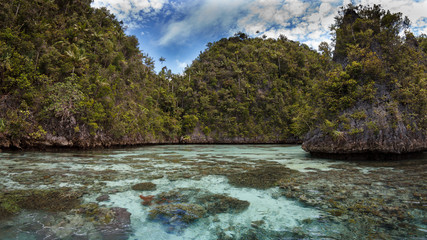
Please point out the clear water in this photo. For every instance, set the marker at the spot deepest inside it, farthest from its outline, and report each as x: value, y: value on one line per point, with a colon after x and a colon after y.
x: 311, y: 199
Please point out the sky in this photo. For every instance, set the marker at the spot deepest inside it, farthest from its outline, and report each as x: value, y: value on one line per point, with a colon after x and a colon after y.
x: 178, y: 30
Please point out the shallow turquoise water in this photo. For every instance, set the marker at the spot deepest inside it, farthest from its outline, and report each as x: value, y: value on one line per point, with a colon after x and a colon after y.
x: 319, y: 199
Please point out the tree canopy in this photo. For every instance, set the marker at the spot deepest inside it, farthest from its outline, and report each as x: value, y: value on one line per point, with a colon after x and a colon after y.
x: 379, y: 89
x: 71, y: 77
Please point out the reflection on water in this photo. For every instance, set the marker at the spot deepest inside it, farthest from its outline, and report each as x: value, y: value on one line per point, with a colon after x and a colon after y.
x: 215, y: 192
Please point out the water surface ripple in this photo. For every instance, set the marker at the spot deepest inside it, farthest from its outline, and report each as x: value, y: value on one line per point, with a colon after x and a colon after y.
x: 215, y: 192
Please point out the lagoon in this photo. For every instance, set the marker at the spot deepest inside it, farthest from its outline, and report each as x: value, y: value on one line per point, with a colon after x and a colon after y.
x: 215, y: 192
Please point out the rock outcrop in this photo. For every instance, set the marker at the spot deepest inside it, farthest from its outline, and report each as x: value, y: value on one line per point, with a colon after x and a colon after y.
x: 369, y: 130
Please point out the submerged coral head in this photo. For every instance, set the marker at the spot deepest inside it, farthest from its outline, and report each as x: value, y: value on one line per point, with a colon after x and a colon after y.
x: 147, y: 200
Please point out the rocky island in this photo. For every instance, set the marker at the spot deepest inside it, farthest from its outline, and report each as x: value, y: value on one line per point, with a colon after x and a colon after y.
x: 70, y: 77
x: 376, y: 100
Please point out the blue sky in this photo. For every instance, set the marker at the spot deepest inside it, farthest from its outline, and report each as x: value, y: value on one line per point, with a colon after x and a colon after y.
x: 179, y: 30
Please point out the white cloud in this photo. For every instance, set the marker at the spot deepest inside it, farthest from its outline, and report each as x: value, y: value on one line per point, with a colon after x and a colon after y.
x: 181, y: 65
x: 310, y: 23
x: 207, y: 16
x: 229, y: 17
x: 300, y: 20
x: 129, y: 11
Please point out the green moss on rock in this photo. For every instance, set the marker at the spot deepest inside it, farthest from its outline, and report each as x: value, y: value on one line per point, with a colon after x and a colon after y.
x: 11, y: 202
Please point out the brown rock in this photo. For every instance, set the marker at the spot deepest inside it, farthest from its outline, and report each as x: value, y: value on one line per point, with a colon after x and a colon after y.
x: 145, y: 186
x: 103, y: 198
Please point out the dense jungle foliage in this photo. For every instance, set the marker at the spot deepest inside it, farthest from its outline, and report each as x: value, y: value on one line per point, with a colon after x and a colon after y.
x: 250, y: 88
x: 70, y: 76
x: 381, y: 82
x: 69, y: 70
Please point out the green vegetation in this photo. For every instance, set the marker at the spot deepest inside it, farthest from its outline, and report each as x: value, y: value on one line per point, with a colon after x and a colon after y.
x: 249, y: 88
x: 71, y: 77
x: 380, y: 85
x: 68, y: 70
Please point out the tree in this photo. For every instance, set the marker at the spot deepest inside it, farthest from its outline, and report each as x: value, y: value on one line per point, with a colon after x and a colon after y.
x: 367, y: 27
x: 162, y: 60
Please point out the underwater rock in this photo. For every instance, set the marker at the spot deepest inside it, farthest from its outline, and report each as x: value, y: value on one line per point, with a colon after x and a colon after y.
x: 72, y: 226
x: 261, y: 178
x: 170, y: 197
x: 11, y: 202
x: 96, y: 214
x: 257, y: 224
x: 119, y: 228
x: 257, y: 233
x: 221, y: 203
x: 89, y: 221
x: 181, y: 195
x: 103, y: 198
x: 121, y: 216
x: 177, y: 212
x: 111, y: 223
x: 145, y: 186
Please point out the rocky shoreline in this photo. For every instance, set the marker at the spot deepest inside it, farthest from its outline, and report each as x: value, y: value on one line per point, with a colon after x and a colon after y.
x: 60, y: 142
x: 325, y: 147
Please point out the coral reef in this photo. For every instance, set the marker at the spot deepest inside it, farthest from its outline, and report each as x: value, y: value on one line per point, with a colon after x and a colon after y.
x: 147, y: 200
x: 11, y: 202
x: 97, y: 222
x: 382, y: 203
x: 262, y: 177
x: 145, y: 186
x: 103, y: 198
x: 94, y: 213
x: 358, y: 199
x: 119, y: 228
x: 176, y: 209
x: 178, y: 212
x: 221, y: 203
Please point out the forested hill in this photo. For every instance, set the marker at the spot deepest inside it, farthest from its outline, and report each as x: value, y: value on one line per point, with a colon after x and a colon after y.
x: 244, y: 89
x: 71, y: 77
x: 376, y: 100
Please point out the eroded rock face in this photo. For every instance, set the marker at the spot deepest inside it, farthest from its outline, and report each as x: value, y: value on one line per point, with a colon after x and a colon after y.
x: 375, y: 130
x: 82, y: 140
x: 388, y: 142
